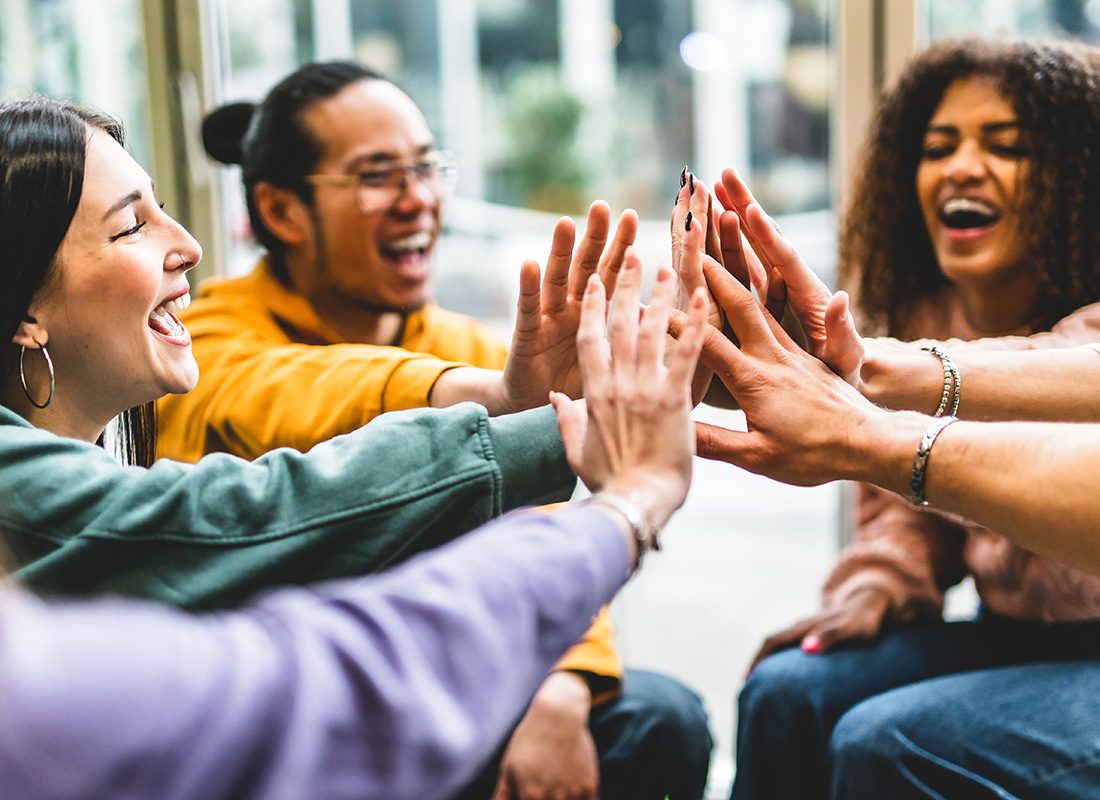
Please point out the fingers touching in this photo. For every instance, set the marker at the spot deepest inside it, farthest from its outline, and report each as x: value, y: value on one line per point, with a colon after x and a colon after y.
x: 612, y: 262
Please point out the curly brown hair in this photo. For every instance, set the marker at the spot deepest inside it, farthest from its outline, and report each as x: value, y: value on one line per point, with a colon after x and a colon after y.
x: 886, y: 256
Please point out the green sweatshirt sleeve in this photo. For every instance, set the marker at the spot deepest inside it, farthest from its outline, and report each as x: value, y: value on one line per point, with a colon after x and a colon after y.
x: 209, y: 535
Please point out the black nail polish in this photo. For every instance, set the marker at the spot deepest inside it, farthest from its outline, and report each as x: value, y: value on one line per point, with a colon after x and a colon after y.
x: 683, y: 176
x: 30, y: 319
x: 691, y: 179
x: 687, y: 222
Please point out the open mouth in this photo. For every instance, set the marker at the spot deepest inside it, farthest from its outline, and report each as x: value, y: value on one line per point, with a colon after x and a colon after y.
x: 164, y: 322
x: 409, y: 249
x: 965, y: 213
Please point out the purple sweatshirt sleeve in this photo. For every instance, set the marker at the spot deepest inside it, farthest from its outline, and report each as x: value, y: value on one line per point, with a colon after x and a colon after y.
x: 393, y: 686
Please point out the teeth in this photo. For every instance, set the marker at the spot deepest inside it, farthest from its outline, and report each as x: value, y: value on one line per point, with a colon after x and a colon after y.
x: 966, y: 204
x: 161, y: 312
x: 413, y: 242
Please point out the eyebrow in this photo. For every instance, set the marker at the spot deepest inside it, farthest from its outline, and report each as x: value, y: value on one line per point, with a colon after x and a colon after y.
x: 386, y: 158
x: 132, y: 197
x: 989, y: 127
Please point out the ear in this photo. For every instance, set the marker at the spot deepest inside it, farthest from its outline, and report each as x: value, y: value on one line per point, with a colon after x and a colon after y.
x: 283, y: 212
x: 30, y: 333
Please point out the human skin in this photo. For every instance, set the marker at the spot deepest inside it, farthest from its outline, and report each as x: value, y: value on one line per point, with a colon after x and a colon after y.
x: 806, y: 426
x: 122, y: 258
x: 974, y: 149
x: 349, y: 262
x: 1046, y: 385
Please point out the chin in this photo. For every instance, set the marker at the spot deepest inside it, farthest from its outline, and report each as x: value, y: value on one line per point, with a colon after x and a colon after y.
x: 182, y: 379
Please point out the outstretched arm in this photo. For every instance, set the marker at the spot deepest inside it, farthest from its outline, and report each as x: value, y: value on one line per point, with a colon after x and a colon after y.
x: 394, y: 686
x: 1003, y: 379
x: 1032, y: 482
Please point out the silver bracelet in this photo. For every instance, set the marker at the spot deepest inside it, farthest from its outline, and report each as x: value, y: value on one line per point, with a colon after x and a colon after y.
x: 647, y: 535
x: 920, y: 461
x: 952, y: 383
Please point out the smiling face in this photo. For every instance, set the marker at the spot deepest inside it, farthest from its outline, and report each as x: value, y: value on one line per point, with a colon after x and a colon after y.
x: 377, y: 258
x: 970, y: 183
x: 108, y: 310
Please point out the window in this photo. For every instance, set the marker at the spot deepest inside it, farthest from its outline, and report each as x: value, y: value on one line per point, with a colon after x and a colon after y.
x: 89, y: 51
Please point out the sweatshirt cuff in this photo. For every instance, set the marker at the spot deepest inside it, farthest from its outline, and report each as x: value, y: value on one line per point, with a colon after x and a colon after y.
x: 529, y: 451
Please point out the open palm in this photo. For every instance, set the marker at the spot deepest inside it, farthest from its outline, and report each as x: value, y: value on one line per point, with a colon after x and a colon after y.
x: 543, y: 355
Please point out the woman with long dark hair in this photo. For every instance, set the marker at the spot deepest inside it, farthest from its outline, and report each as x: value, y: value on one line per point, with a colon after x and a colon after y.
x: 95, y: 274
x: 394, y: 687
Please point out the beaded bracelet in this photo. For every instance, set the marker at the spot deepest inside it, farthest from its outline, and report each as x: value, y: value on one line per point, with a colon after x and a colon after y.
x: 952, y: 382
x: 920, y: 461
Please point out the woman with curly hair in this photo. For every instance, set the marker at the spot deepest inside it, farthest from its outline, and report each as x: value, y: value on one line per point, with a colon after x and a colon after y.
x: 973, y: 220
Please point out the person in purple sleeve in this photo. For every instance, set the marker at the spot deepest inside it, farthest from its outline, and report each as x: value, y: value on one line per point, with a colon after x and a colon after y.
x: 392, y: 686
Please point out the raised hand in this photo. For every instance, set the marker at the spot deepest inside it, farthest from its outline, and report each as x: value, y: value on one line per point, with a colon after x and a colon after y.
x: 802, y: 418
x: 825, y: 317
x: 543, y: 355
x: 636, y: 438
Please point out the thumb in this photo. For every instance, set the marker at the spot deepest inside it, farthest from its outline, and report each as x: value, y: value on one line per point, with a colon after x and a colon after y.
x: 719, y: 444
x: 843, y: 350
x: 572, y: 428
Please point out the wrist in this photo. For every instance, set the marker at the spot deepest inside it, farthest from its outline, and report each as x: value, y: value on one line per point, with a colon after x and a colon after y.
x: 899, y: 376
x: 470, y: 384
x: 880, y: 449
x: 564, y: 692
x: 651, y: 498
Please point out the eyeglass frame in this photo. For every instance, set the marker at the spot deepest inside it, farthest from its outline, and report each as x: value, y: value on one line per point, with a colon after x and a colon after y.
x: 442, y: 161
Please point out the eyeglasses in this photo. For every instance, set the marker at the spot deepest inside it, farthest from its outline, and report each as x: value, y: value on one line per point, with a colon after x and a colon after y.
x: 379, y: 186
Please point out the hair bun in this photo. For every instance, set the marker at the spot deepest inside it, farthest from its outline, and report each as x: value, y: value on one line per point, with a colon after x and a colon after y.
x: 224, y: 129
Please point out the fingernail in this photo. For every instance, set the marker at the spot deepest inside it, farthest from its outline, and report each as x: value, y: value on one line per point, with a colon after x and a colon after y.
x: 691, y: 180
x: 687, y: 222
x: 683, y: 176
x: 811, y: 644
x: 593, y: 284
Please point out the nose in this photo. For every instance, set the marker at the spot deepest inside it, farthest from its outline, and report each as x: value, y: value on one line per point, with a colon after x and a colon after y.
x: 966, y: 164
x: 414, y: 194
x: 184, y: 252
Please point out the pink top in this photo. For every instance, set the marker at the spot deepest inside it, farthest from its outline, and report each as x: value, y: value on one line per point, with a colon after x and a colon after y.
x: 915, y: 555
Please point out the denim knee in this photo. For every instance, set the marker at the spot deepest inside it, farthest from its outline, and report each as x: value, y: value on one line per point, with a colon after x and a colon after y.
x: 781, y: 691
x: 866, y: 749
x: 655, y: 738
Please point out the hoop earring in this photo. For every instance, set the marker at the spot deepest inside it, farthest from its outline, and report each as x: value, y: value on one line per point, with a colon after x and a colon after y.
x: 23, y: 377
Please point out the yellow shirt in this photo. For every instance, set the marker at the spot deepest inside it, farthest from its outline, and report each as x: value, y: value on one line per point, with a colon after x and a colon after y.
x: 273, y: 374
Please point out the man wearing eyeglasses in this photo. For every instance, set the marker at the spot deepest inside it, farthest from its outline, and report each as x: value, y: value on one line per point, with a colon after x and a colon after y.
x: 345, y: 187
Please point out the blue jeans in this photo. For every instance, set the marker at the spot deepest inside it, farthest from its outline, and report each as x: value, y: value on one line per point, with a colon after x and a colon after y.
x: 653, y: 740
x: 993, y: 708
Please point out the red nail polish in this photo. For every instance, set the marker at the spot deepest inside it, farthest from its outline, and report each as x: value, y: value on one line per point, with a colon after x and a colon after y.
x: 811, y: 645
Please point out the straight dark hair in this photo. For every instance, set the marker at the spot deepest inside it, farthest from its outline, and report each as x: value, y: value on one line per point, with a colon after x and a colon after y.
x: 43, y: 145
x: 271, y: 142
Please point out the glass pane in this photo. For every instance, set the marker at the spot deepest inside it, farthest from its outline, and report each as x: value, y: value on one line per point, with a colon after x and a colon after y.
x: 551, y: 103
x: 89, y: 51
x: 1077, y: 19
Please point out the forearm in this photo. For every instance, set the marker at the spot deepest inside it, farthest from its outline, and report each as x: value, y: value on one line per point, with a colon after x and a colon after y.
x: 1059, y: 385
x: 469, y: 384
x: 398, y: 686
x: 214, y: 533
x: 1034, y: 483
